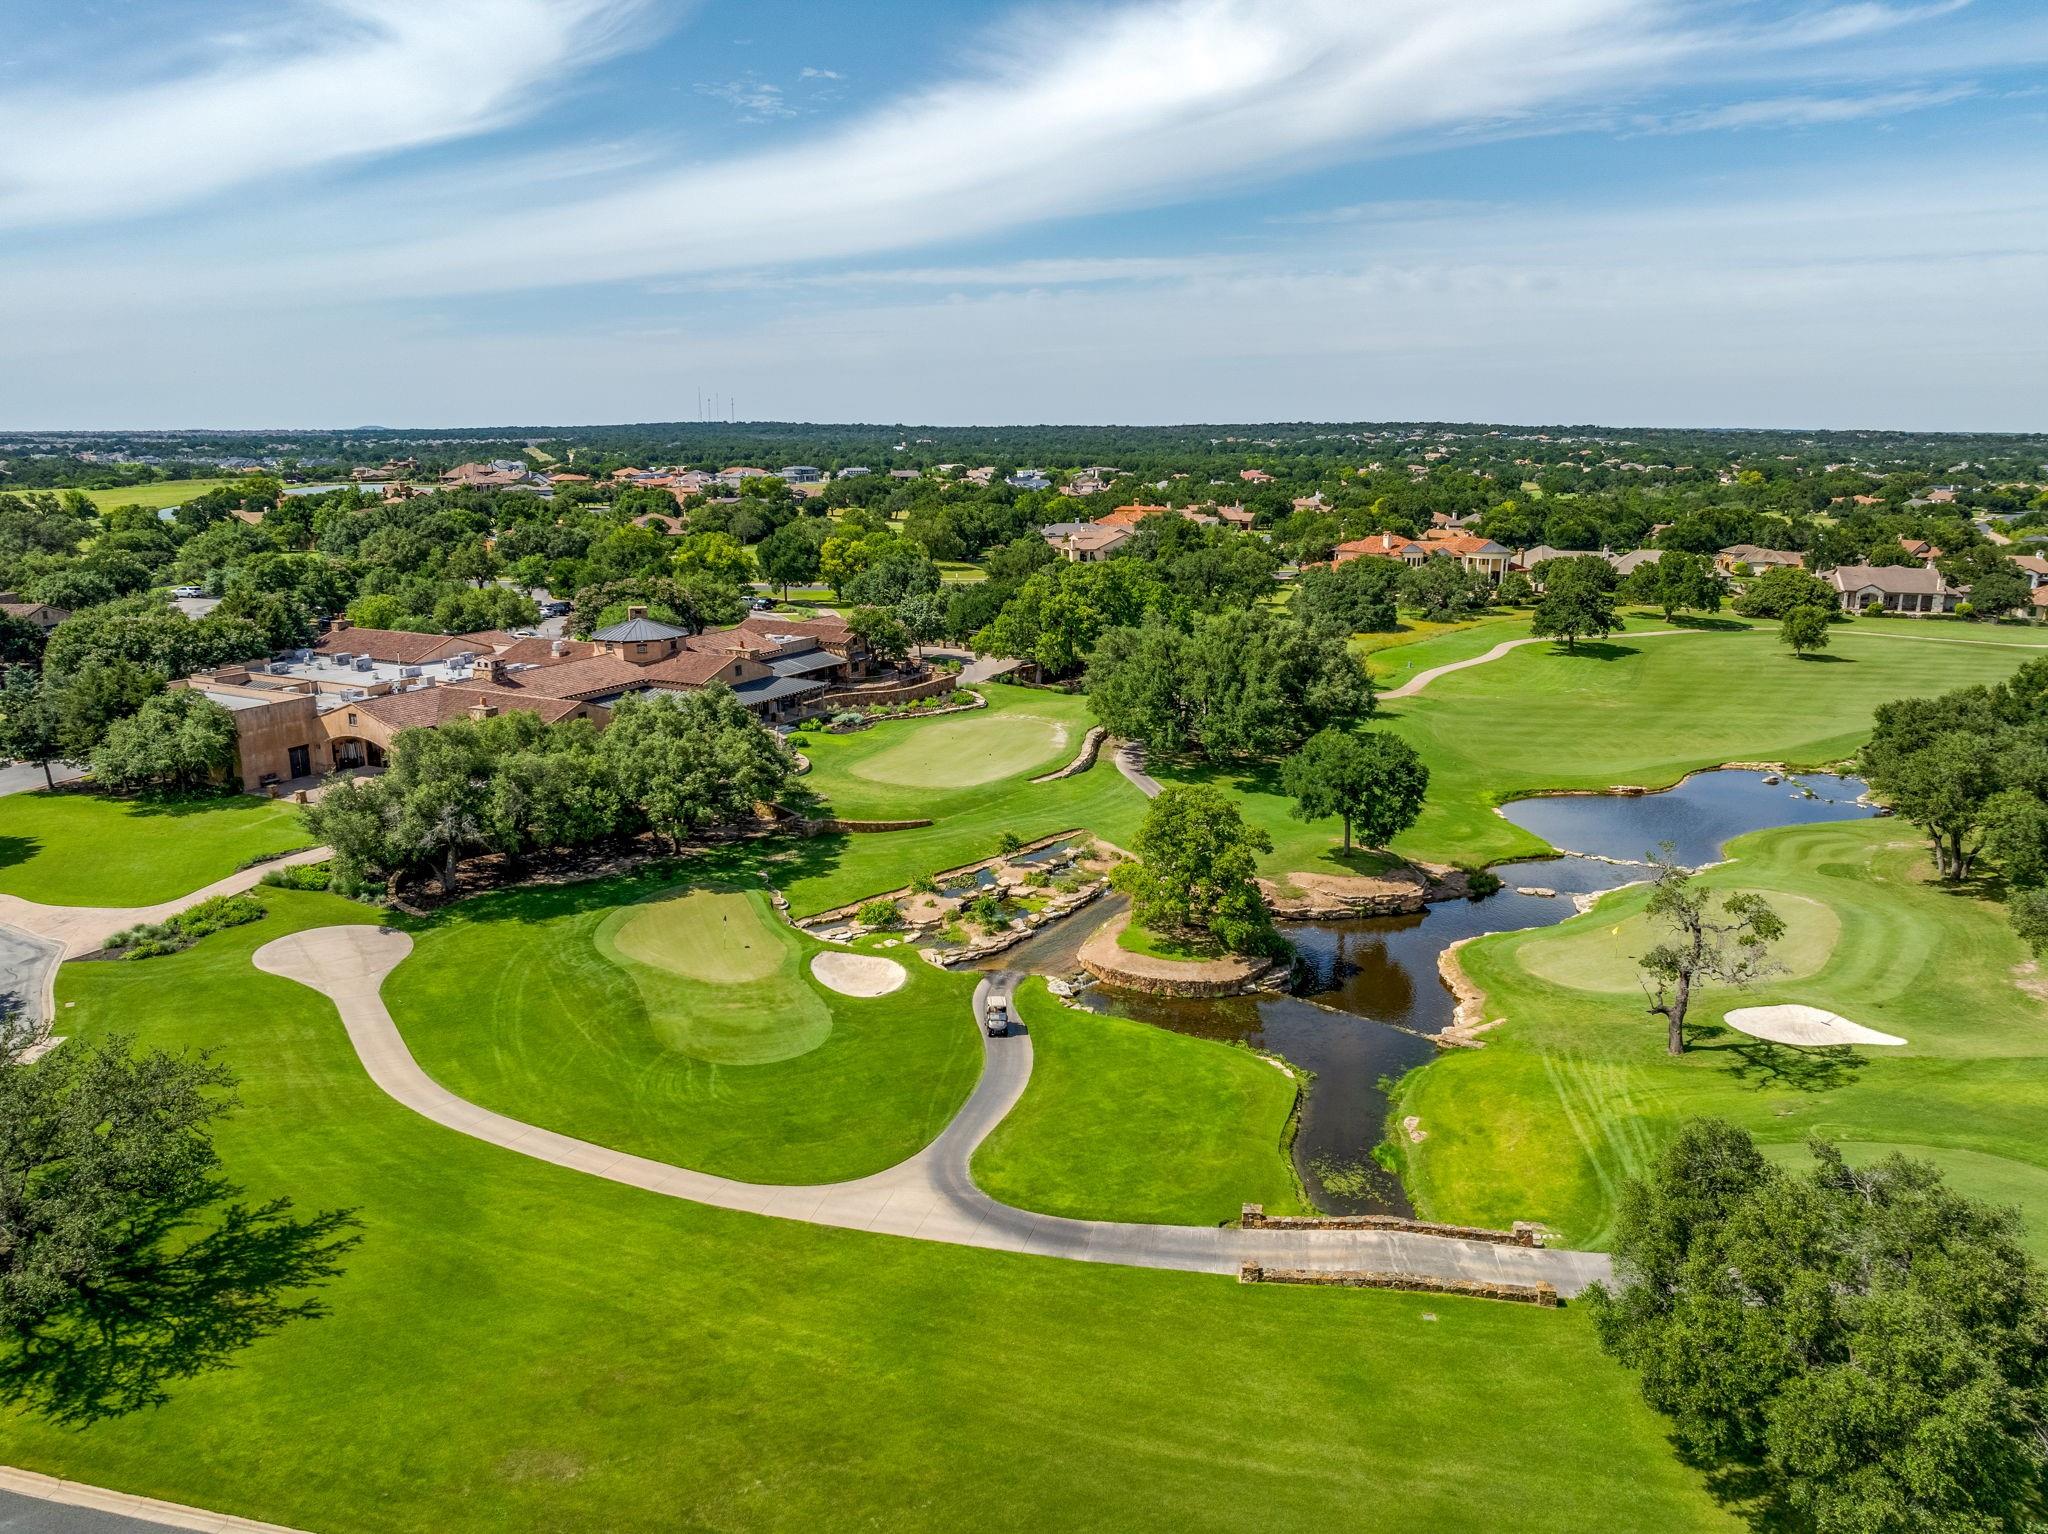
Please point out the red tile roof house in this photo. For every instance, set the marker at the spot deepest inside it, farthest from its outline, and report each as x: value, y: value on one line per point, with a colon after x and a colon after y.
x: 1085, y: 542
x: 1255, y: 476
x: 1473, y: 552
x: 41, y: 614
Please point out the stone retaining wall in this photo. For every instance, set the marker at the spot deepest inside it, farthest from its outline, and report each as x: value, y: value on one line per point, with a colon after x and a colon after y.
x: 896, y: 692
x: 1255, y: 1217
x: 1091, y: 747
x: 840, y: 913
x: 856, y: 827
x: 1419, y: 1283
x: 1104, y: 958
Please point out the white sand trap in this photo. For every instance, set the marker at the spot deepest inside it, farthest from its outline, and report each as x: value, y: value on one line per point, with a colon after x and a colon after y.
x: 1804, y: 1026
x: 859, y: 974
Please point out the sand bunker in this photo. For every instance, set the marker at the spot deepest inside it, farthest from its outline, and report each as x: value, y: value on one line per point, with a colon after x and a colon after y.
x: 1808, y: 1026
x: 858, y: 974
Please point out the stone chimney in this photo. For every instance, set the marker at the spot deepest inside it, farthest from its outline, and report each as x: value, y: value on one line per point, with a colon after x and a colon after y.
x: 483, y: 711
x: 340, y: 626
x: 637, y: 610
x: 493, y: 671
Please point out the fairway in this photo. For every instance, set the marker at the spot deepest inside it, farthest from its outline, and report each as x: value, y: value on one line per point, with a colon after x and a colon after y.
x: 673, y: 1014
x: 521, y: 1346
x: 965, y: 750
x: 75, y: 848
x: 1125, y: 1121
x: 1602, y: 956
x: 164, y: 492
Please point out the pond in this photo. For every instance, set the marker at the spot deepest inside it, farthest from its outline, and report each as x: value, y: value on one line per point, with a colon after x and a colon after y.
x: 1370, y: 993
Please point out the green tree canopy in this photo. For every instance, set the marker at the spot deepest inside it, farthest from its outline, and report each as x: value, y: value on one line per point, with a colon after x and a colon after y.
x: 1375, y: 782
x: 1577, y: 601
x: 1197, y: 871
x: 1869, y: 1342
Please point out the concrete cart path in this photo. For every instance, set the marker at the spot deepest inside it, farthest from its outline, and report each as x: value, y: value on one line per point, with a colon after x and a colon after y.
x: 931, y: 1196
x: 1129, y: 757
x: 1422, y: 679
x: 34, y: 938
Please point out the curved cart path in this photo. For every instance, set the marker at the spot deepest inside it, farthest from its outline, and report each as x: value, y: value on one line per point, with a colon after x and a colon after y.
x: 931, y: 1197
x: 1422, y: 679
x: 35, y: 939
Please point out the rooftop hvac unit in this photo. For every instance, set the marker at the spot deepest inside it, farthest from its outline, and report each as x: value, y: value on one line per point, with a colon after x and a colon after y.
x: 364, y: 663
x: 352, y: 694
x: 280, y: 668
x: 341, y: 657
x: 408, y: 671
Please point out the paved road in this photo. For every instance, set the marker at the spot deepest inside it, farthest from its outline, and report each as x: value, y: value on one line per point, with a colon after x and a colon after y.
x: 40, y: 1504
x: 32, y: 1515
x: 21, y: 778
x: 1129, y: 757
x: 931, y: 1197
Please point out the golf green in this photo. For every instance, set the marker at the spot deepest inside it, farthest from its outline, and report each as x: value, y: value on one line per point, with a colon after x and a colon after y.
x: 963, y: 750
x: 719, y: 977
x: 1602, y: 957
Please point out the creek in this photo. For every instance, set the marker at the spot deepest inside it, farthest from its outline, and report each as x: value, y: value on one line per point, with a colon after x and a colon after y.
x: 1369, y: 995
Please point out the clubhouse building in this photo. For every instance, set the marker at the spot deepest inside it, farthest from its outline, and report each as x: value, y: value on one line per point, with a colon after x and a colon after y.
x: 342, y: 701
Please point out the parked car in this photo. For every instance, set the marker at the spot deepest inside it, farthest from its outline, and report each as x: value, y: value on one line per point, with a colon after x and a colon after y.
x: 188, y: 591
x: 555, y: 609
x: 762, y: 605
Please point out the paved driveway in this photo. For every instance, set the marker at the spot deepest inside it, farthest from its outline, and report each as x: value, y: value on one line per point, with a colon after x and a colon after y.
x: 21, y: 778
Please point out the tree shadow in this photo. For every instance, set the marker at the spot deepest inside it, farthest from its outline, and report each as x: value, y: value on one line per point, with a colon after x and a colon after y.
x: 170, y: 1306
x: 15, y: 850
x: 1814, y: 658
x: 1706, y: 622
x: 1595, y: 649
x: 1764, y: 1066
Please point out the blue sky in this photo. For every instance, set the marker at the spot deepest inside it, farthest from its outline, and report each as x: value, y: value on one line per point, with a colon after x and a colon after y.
x: 1715, y: 212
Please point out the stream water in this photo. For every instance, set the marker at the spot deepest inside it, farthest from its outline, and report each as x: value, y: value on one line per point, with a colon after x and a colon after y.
x: 1371, y: 992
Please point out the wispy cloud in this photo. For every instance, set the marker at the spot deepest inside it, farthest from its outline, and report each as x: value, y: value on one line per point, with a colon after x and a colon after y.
x: 336, y: 81
x: 1805, y: 111
x: 754, y: 99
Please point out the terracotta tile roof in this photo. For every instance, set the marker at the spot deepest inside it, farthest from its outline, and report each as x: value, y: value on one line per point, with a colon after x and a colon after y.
x: 429, y: 706
x: 537, y: 650
x: 602, y: 675
x: 826, y: 628
x: 392, y: 646
x: 1460, y: 545
x: 1128, y: 516
x: 1383, y: 545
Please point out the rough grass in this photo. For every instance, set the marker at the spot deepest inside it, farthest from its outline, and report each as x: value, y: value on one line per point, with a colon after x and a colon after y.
x: 518, y: 1346
x: 1575, y: 1093
x: 1124, y: 1121
x: 524, y: 1001
x: 97, y: 850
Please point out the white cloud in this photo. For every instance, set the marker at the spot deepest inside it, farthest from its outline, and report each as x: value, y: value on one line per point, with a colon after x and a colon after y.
x: 1805, y: 111
x: 338, y: 80
x: 755, y: 99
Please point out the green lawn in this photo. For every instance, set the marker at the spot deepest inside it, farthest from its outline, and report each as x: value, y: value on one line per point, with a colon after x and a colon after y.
x: 1124, y: 1121
x: 1633, y: 710
x: 849, y: 773
x: 92, y: 849
x: 1573, y: 1095
x: 634, y: 1013
x: 165, y: 492
x: 518, y: 1346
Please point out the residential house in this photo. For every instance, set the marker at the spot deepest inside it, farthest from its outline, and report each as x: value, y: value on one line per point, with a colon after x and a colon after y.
x: 1236, y: 516
x: 2035, y: 567
x: 1490, y: 559
x: 733, y: 476
x: 854, y: 471
x: 41, y: 614
x: 1627, y: 564
x: 1255, y: 476
x: 1085, y: 542
x: 501, y: 474
x: 800, y: 474
x: 1130, y: 516
x: 1920, y: 549
x: 1026, y: 479
x: 1911, y: 589
x: 1745, y: 559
